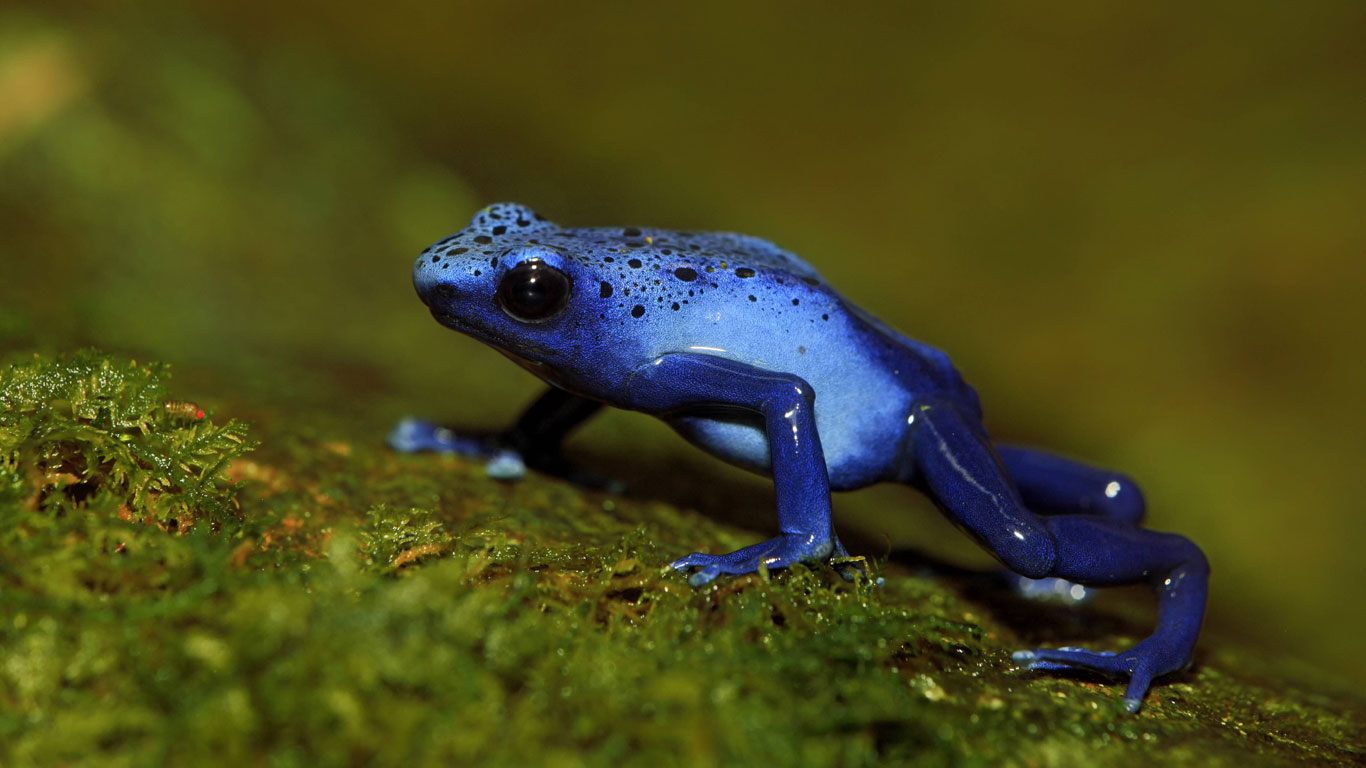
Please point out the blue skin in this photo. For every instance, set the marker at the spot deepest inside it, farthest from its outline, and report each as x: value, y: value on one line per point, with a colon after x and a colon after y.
x: 743, y: 349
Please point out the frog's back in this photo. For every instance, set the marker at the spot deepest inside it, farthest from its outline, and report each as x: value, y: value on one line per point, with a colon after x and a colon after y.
x: 706, y: 253
x: 744, y: 298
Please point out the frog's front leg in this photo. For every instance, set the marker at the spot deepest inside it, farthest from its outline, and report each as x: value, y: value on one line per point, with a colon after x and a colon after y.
x: 534, y: 441
x: 688, y: 383
x: 956, y: 465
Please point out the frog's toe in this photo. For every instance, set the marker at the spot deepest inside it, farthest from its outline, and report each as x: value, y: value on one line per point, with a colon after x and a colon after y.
x: 696, y: 559
x: 708, y: 567
x: 704, y: 576
x: 410, y: 436
x: 1055, y: 659
x: 506, y: 465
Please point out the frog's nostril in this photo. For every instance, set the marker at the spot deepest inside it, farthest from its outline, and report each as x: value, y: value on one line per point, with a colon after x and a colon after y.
x: 440, y: 295
x: 426, y: 279
x: 444, y: 292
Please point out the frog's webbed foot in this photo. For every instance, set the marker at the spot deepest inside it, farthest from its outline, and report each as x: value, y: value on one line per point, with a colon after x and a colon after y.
x: 773, y: 554
x: 533, y: 442
x: 499, y: 452
x: 417, y: 436
x: 1107, y: 552
x: 1141, y: 664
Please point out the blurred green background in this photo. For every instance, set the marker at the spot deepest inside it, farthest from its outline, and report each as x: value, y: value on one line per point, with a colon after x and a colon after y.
x: 1137, y: 230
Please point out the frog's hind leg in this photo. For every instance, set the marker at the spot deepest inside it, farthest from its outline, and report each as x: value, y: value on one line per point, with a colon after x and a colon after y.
x: 957, y: 466
x: 534, y: 441
x: 1052, y: 485
x: 1103, y: 553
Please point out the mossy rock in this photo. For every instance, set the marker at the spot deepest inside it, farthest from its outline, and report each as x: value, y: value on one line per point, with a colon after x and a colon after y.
x: 327, y: 602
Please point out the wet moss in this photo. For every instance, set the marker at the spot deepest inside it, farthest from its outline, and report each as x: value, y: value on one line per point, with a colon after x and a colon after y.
x: 323, y: 601
x: 90, y: 430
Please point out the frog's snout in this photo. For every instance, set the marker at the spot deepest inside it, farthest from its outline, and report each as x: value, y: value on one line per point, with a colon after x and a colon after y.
x: 441, y: 298
x: 444, y: 299
x: 435, y: 286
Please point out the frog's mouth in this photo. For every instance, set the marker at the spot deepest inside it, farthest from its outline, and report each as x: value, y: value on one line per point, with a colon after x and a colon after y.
x: 461, y: 325
x: 529, y: 356
x: 458, y: 323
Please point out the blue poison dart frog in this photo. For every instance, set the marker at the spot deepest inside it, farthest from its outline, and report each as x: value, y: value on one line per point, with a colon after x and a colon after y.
x: 742, y: 348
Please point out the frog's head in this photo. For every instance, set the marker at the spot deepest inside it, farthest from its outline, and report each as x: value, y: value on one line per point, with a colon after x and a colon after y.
x: 496, y: 281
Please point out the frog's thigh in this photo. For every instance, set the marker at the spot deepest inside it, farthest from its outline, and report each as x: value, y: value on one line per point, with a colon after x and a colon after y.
x: 956, y: 466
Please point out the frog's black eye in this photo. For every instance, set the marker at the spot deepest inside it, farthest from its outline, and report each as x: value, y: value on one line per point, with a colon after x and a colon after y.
x: 534, y: 290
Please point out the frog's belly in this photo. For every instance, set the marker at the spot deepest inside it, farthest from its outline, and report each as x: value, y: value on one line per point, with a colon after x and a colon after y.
x: 858, y: 451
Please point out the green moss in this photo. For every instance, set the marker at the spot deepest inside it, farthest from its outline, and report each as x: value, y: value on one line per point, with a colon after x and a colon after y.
x: 91, y: 430
x: 349, y: 606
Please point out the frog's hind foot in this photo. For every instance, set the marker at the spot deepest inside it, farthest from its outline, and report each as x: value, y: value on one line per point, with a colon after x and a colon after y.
x: 1105, y: 552
x: 1140, y: 664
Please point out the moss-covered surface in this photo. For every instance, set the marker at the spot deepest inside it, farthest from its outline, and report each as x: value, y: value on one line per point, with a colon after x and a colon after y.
x: 324, y: 601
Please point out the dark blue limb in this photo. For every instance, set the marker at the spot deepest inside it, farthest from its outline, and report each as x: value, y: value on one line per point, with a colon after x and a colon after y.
x: 958, y: 468
x: 534, y: 441
x: 680, y: 383
x: 1053, y: 485
x: 1103, y: 552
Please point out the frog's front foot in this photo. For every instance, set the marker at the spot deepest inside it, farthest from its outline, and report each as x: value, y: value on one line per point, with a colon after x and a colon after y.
x: 1141, y: 664
x: 417, y: 436
x: 775, y: 553
x: 502, y: 460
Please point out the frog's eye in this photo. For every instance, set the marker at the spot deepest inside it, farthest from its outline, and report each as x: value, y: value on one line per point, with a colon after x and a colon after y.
x: 534, y: 290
